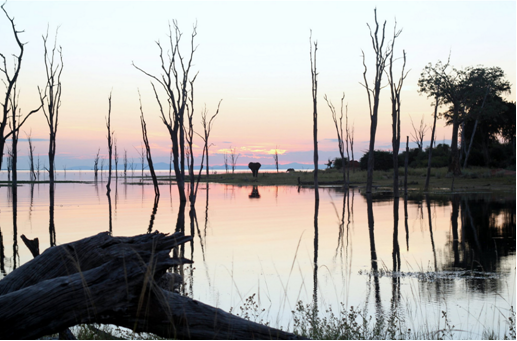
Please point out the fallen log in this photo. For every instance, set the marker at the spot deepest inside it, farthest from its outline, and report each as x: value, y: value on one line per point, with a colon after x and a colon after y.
x: 33, y: 246
x: 113, y: 280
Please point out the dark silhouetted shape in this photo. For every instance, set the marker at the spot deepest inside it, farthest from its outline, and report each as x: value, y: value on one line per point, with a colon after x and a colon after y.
x: 254, y: 166
x: 254, y: 193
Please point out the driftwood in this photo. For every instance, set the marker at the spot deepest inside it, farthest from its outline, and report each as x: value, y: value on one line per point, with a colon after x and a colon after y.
x: 33, y: 246
x: 113, y: 280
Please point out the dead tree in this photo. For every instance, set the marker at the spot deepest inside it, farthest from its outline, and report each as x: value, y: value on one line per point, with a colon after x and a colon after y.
x: 125, y: 163
x: 9, y: 163
x: 15, y: 123
x: 475, y: 127
x: 275, y: 157
x: 207, y: 127
x: 418, y: 134
x: 395, y: 110
x: 31, y: 159
x: 142, y: 158
x: 177, y: 84
x: 350, y: 136
x: 226, y: 161
x: 115, y: 156
x: 110, y: 145
x: 428, y: 174
x: 51, y: 99
x: 10, y: 82
x: 233, y: 158
x: 96, y: 164
x: 314, y: 77
x: 10, y: 115
x: 148, y: 150
x: 113, y: 280
x: 406, y: 161
x: 340, y: 135
x: 374, y: 93
x: 189, y: 138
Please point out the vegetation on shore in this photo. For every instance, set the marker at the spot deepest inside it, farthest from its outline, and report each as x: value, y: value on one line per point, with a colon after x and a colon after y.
x: 475, y: 178
x: 348, y: 324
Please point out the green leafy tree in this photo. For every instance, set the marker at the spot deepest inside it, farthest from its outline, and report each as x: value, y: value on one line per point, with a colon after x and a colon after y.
x: 461, y: 91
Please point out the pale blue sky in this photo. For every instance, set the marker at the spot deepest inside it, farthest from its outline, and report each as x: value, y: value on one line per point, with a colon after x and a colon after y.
x: 253, y: 55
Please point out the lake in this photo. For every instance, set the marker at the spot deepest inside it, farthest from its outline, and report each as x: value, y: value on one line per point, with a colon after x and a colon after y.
x: 453, y: 253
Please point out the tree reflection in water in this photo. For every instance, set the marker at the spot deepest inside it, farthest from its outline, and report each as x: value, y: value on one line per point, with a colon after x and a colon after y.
x: 51, y: 226
x: 373, y: 255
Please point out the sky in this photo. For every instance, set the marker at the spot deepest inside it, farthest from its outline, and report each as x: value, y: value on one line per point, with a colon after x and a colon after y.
x: 252, y: 55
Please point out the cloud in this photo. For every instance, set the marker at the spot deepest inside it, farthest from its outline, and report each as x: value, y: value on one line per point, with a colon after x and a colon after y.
x: 32, y: 140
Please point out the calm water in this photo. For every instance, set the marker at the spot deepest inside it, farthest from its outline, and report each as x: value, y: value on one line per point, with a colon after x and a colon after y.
x: 453, y: 253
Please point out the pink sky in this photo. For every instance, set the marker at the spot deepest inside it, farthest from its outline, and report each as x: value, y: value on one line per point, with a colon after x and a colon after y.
x: 254, y: 56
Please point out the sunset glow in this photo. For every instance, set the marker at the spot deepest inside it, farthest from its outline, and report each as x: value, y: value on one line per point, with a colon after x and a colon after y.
x: 254, y: 56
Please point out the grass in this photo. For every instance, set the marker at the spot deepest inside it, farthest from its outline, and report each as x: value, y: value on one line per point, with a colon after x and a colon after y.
x: 472, y: 179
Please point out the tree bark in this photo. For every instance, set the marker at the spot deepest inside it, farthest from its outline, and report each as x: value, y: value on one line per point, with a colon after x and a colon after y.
x: 113, y: 280
x: 454, y: 164
x: 428, y: 175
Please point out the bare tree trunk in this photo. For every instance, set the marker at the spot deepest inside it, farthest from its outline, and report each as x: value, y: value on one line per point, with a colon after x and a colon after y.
x: 10, y: 84
x: 31, y: 159
x: 351, y: 138
x: 110, y: 148
x: 406, y: 161
x: 275, y: 157
x: 475, y: 127
x: 233, y: 159
x: 52, y: 93
x: 148, y: 150
x: 428, y: 175
x: 207, y: 128
x: 115, y: 157
x: 395, y: 112
x: 314, y: 74
x: 176, y: 84
x: 418, y: 134
x: 454, y: 164
x: 96, y: 164
x: 125, y: 163
x: 374, y: 94
x: 339, y: 132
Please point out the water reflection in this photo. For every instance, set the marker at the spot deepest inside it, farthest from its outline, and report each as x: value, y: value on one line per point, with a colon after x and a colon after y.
x: 246, y: 246
x: 396, y: 249
x: 14, y: 197
x: 51, y: 226
x: 254, y: 193
x: 487, y: 233
x: 405, y: 222
x: 373, y: 254
x: 153, y: 213
x: 315, y: 271
x: 429, y: 215
x: 2, y: 254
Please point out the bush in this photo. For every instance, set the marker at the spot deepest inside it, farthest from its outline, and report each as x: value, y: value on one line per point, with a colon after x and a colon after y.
x: 382, y: 160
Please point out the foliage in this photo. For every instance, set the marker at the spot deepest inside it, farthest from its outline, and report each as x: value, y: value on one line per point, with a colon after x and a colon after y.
x: 339, y: 162
x: 493, y: 144
x: 382, y: 160
x: 469, y: 94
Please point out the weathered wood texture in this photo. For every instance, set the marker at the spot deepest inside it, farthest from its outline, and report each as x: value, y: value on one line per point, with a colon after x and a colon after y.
x: 103, y: 279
